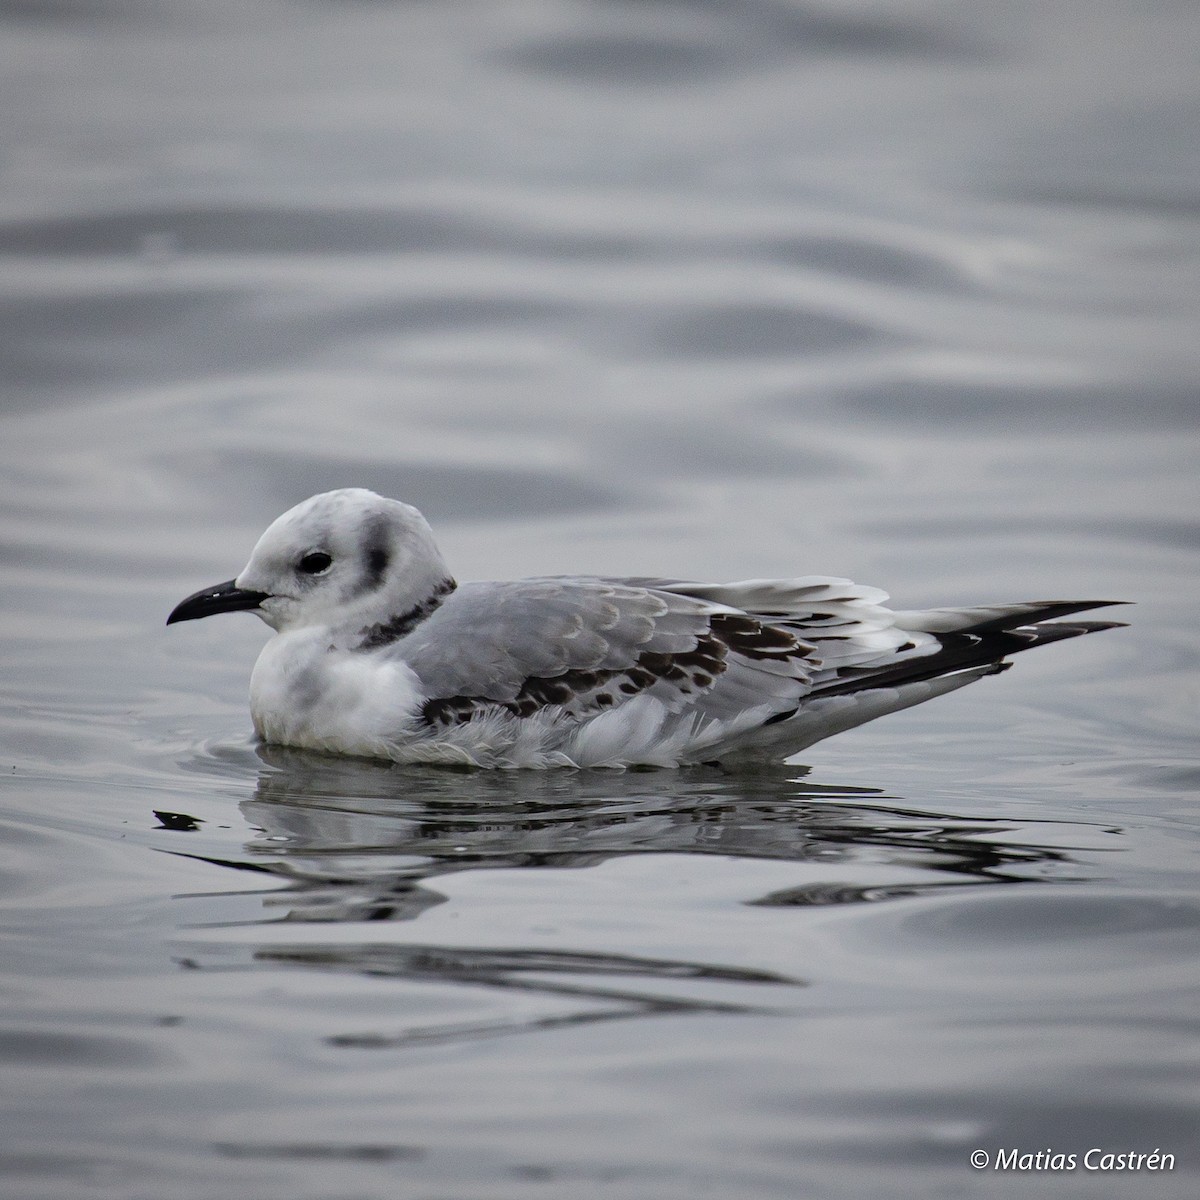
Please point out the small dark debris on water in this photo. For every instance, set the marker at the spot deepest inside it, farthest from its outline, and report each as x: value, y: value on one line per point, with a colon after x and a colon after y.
x: 180, y: 821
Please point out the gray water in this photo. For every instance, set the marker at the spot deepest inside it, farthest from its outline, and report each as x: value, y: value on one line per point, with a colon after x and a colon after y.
x: 907, y: 292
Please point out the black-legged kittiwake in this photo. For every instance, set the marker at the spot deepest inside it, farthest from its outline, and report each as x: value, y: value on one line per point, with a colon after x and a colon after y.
x: 378, y: 652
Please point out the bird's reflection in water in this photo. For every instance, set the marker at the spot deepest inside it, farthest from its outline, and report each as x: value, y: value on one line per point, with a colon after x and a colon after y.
x: 359, y: 841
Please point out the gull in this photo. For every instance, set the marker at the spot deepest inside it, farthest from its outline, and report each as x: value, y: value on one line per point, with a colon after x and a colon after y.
x: 378, y: 652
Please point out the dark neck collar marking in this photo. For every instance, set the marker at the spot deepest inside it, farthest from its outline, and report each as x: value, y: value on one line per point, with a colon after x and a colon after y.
x: 394, y: 628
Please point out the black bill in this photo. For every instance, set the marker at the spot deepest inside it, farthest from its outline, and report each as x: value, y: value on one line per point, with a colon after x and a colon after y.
x: 223, y: 597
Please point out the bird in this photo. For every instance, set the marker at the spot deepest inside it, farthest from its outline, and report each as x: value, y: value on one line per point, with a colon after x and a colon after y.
x: 378, y: 652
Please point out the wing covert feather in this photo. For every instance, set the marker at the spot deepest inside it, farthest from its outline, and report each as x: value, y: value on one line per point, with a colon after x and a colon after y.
x: 590, y: 644
x: 488, y: 640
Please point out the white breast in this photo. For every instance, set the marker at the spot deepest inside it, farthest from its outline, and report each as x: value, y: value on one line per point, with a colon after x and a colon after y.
x: 303, y: 692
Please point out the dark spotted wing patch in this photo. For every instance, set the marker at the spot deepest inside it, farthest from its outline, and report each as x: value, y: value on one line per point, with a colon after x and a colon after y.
x: 755, y: 639
x: 674, y: 677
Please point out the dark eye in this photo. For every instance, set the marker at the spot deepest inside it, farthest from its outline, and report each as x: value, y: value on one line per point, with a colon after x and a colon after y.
x: 315, y: 563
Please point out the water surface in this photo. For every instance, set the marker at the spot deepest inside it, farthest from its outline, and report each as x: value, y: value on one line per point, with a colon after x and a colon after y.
x: 906, y: 293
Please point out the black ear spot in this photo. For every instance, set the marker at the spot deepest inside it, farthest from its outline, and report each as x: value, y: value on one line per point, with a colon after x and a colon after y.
x: 377, y: 552
x: 315, y: 563
x: 377, y: 563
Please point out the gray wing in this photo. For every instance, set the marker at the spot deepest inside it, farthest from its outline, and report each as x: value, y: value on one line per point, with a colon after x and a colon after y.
x: 859, y: 644
x: 585, y: 645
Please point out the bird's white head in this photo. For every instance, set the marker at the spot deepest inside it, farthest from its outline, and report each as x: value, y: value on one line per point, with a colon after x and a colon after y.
x: 348, y: 560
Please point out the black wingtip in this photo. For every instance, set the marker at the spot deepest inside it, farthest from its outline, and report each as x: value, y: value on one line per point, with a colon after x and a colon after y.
x: 1064, y: 608
x: 1041, y: 633
x: 1036, y: 612
x: 986, y: 646
x: 1097, y: 626
x: 1087, y: 605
